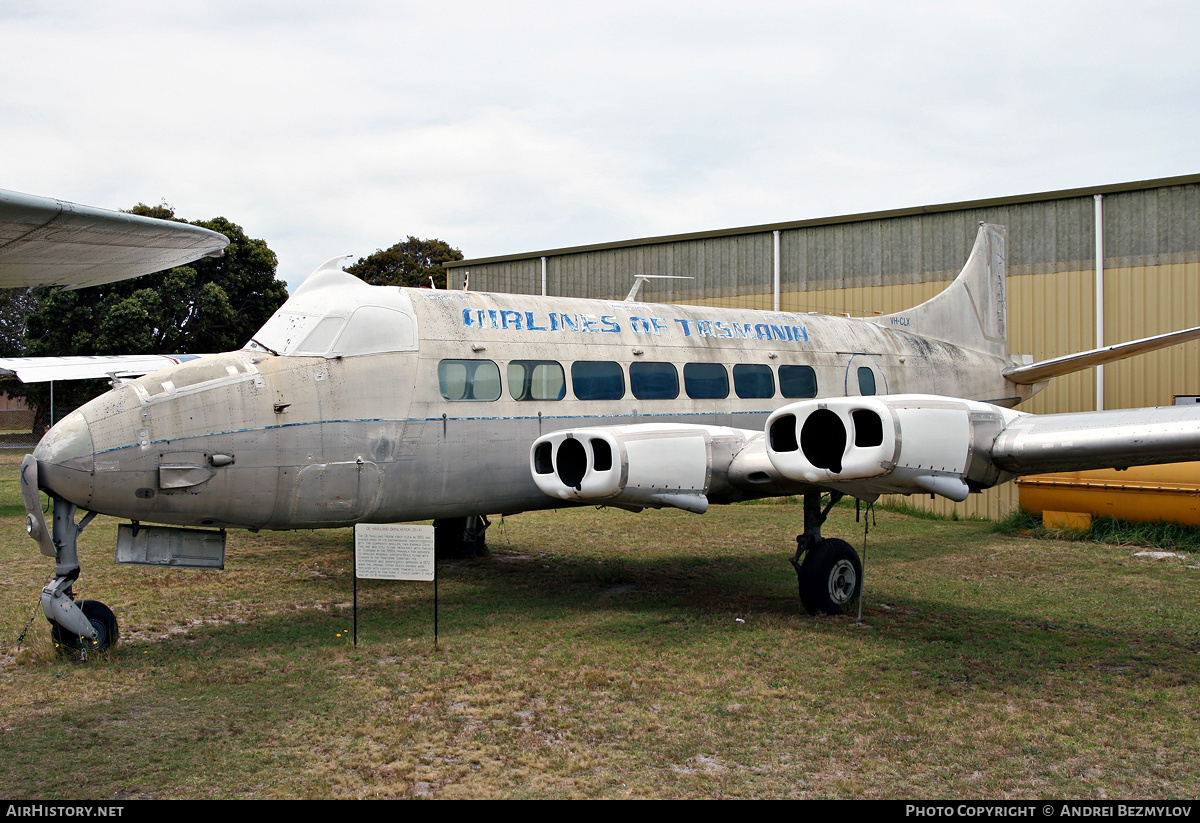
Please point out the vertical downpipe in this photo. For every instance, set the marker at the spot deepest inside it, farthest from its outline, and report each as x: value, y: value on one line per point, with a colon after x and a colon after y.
x: 775, y: 287
x: 543, y: 277
x: 1099, y: 220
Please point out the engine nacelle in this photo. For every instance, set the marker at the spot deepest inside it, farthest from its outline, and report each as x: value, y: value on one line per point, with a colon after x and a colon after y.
x: 643, y: 465
x: 892, y: 444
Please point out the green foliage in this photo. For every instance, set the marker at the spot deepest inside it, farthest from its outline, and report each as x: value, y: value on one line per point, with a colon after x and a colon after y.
x: 210, y: 305
x: 410, y: 262
x: 15, y: 306
x: 1019, y: 522
x: 897, y: 506
x: 1155, y: 535
x: 1159, y: 534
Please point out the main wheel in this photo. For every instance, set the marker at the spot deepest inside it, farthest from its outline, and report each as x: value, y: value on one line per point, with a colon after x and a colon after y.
x: 103, y: 621
x: 830, y: 577
x: 460, y: 537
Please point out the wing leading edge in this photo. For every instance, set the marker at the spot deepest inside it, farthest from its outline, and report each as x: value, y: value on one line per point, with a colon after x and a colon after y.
x: 49, y: 242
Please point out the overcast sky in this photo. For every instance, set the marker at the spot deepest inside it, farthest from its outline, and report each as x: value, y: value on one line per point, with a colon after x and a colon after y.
x: 331, y: 128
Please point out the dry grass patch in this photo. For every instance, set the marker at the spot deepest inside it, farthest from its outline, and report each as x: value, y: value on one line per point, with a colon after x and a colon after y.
x: 607, y: 654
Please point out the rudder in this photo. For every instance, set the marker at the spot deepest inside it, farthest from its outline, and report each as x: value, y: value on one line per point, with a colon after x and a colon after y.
x: 972, y: 311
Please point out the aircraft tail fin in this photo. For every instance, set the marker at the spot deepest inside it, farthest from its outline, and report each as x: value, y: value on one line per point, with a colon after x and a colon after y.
x: 971, y: 312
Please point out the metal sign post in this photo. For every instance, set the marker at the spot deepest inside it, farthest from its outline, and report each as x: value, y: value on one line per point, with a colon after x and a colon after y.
x: 394, y: 551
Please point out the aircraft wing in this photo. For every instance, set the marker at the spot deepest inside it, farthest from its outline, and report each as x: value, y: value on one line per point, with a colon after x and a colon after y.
x: 1116, y: 439
x: 861, y: 446
x: 44, y: 369
x: 51, y: 242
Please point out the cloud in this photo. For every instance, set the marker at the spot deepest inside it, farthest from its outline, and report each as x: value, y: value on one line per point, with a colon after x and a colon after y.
x: 501, y: 128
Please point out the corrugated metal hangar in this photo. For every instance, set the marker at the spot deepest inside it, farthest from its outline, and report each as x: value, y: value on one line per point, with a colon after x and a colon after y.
x: 1147, y: 281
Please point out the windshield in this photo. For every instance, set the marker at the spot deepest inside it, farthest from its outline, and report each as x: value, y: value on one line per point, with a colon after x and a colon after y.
x: 334, y: 314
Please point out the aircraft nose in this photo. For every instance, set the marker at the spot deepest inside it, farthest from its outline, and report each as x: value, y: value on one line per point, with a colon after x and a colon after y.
x: 67, y: 460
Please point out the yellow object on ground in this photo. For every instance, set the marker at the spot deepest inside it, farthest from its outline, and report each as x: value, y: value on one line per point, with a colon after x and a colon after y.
x: 1169, y: 492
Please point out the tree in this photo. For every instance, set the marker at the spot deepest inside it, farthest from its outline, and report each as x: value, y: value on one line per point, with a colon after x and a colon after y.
x: 410, y: 262
x: 211, y: 305
x: 15, y: 307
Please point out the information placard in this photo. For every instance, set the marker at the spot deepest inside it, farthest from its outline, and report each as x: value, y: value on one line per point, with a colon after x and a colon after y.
x: 393, y: 551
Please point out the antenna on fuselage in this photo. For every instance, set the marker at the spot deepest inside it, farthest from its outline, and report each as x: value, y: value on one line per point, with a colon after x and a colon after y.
x: 639, y: 279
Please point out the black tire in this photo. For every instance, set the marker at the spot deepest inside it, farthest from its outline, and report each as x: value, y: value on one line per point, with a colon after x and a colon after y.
x: 103, y: 621
x: 459, y: 537
x: 830, y: 577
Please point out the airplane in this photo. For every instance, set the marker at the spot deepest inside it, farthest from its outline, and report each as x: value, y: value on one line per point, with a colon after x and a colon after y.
x: 359, y: 403
x: 49, y: 242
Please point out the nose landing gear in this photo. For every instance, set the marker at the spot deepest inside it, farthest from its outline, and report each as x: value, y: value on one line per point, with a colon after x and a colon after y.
x: 86, y: 626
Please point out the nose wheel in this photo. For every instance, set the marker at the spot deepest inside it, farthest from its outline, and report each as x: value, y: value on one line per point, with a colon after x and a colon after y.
x: 103, y: 622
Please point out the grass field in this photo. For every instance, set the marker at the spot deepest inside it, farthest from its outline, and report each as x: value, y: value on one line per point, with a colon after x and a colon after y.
x: 608, y: 654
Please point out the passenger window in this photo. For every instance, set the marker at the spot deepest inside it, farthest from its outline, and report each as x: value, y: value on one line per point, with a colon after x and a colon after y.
x: 597, y: 380
x: 705, y: 381
x: 753, y: 381
x: 469, y: 379
x: 653, y: 381
x: 866, y: 381
x: 797, y: 381
x: 536, y: 380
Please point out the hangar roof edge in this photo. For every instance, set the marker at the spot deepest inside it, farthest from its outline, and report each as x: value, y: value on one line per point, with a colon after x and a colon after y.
x: 1062, y: 194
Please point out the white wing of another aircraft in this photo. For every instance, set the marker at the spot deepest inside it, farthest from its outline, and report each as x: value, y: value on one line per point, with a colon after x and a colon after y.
x: 45, y: 369
x: 49, y: 242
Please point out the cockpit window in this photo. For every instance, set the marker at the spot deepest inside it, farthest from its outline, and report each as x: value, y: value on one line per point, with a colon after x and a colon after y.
x: 368, y: 330
x: 374, y: 329
x: 321, y: 338
x: 283, y: 332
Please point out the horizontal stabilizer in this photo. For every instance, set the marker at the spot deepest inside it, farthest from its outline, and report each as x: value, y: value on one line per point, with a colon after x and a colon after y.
x: 1058, y: 366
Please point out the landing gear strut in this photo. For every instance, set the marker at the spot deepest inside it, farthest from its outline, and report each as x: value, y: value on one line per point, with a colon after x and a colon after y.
x: 85, y: 626
x: 830, y: 575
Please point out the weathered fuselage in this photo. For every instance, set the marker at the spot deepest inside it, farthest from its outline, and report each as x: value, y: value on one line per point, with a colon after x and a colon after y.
x: 378, y: 404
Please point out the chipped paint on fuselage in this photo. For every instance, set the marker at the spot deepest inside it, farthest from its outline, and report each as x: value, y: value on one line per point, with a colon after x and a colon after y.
x: 329, y: 440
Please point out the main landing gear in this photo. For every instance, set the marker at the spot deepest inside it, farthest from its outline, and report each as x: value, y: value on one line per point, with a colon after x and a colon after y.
x: 460, y: 536
x: 830, y: 575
